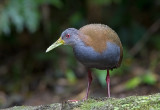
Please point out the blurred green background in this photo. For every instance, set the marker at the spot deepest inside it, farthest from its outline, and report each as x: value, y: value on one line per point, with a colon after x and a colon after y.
x: 29, y: 76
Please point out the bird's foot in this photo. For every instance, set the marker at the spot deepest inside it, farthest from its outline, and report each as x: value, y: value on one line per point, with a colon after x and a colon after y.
x: 72, y: 100
x: 77, y: 100
x: 84, y: 99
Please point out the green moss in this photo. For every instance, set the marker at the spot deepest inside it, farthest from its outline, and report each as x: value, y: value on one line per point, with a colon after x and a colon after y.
x: 22, y: 108
x: 55, y: 106
x: 90, y: 104
x: 151, y: 102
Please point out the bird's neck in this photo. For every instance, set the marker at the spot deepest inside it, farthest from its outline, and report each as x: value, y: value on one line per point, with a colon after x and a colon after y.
x: 78, y: 39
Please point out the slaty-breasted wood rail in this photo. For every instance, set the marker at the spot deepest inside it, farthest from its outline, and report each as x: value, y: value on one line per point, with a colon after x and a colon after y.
x: 95, y: 46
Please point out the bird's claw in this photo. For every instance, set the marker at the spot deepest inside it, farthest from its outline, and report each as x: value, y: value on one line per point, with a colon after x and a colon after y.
x: 84, y: 99
x: 73, y: 101
x: 77, y: 100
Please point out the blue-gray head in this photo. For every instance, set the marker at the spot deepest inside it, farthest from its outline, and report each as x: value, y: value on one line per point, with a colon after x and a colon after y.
x: 68, y: 37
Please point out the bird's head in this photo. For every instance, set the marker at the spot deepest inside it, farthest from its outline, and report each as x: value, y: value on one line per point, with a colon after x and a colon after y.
x: 68, y: 37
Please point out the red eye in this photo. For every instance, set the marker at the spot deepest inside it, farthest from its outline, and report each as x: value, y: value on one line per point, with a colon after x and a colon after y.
x: 67, y: 35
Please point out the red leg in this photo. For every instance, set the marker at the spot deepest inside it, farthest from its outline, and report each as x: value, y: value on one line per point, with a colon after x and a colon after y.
x: 108, y: 82
x: 89, y: 83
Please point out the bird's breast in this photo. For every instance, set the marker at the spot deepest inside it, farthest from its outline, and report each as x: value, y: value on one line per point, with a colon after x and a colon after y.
x: 108, y: 59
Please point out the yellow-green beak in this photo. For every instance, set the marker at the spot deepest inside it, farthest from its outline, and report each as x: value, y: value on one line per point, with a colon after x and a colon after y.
x: 56, y: 44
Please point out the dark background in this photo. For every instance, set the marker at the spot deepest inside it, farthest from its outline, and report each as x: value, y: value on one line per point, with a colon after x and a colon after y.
x: 29, y: 76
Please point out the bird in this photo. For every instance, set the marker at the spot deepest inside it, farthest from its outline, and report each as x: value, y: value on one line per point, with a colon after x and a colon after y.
x: 95, y: 46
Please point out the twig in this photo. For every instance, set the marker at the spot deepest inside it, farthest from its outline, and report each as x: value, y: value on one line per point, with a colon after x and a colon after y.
x: 140, y: 44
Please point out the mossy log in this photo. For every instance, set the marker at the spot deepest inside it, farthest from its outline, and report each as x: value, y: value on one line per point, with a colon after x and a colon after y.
x: 150, y: 102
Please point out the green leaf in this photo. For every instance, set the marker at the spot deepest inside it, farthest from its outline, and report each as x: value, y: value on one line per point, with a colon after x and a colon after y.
x: 133, y: 83
x: 71, y: 76
x: 101, y: 75
x: 14, y: 10
x: 31, y: 15
x: 20, y: 13
x: 149, y: 78
x: 4, y: 22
